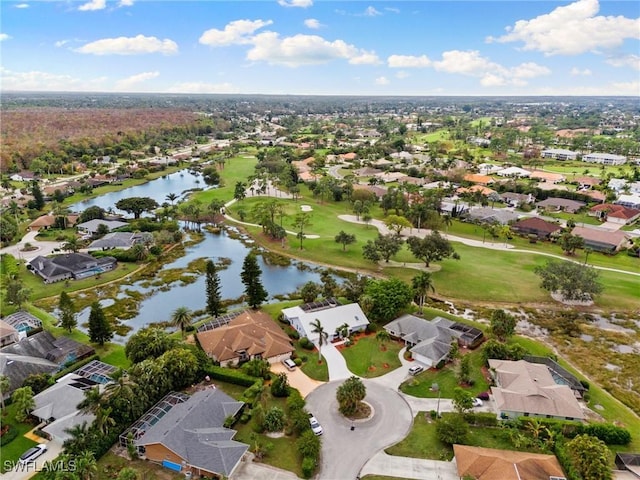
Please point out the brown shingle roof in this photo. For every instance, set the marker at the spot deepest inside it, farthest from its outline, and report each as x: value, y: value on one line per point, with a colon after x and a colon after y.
x: 609, y: 237
x: 491, y: 464
x: 252, y: 332
x: 535, y: 223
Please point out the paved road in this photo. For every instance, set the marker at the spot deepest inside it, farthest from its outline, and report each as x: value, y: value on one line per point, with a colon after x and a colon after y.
x: 345, y: 451
x: 42, y: 248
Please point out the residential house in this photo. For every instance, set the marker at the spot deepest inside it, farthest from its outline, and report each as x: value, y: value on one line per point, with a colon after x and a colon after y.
x: 23, y: 321
x: 486, y: 191
x: 631, y: 201
x: 366, y: 172
x: 430, y: 341
x: 8, y: 334
x: 500, y: 216
x: 70, y: 266
x: 24, y: 176
x: 191, y: 437
x: 91, y: 227
x: 251, y: 334
x: 45, y: 222
x: 587, y: 183
x: 482, y: 463
x: 349, y: 157
x: 331, y: 315
x: 123, y: 240
x: 387, y: 177
x: 559, y: 154
x: 489, y: 168
x: 529, y: 390
x: 602, y: 240
x: 556, y: 204
x: 605, y: 158
x: 595, y: 195
x: 629, y: 462
x: 39, y: 353
x: 381, y: 163
x: 617, y: 184
x: 548, y: 177
x: 615, y: 213
x: 478, y: 179
x: 536, y: 226
x: 516, y: 172
x: 57, y: 406
x: 515, y: 200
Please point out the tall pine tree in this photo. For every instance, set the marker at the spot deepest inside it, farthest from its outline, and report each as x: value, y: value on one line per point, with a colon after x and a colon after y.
x: 67, y: 312
x: 214, y: 297
x: 99, y: 327
x: 250, y: 275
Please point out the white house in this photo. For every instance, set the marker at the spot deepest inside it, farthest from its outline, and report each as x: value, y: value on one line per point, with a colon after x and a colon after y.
x: 605, y: 158
x: 331, y: 316
x: 631, y: 201
x: 559, y: 154
x: 514, y: 172
x: 617, y: 184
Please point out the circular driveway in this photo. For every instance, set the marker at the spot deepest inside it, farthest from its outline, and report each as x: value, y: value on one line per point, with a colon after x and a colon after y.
x: 345, y: 451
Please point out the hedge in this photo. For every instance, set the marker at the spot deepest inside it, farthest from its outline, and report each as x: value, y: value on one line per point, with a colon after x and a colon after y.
x: 230, y: 376
x: 12, y: 432
x: 607, y: 432
x: 565, y: 461
x: 481, y: 419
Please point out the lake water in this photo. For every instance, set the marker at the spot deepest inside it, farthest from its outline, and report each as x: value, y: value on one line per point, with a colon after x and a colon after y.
x: 178, y: 183
x: 162, y: 301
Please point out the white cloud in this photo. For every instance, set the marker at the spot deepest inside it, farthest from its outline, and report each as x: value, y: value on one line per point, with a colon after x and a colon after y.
x: 391, y: 9
x: 22, y: 5
x: 408, y: 61
x: 38, y: 81
x: 577, y: 72
x: 572, y: 29
x: 402, y: 74
x: 371, y: 12
x: 305, y: 50
x: 4, y: 36
x: 470, y: 63
x: 129, y: 84
x: 237, y: 32
x: 202, y: 87
x: 382, y: 81
x: 61, y: 43
x: 137, y: 45
x: 312, y: 23
x: 632, y: 61
x: 295, y: 3
x: 93, y: 5
x: 125, y: 3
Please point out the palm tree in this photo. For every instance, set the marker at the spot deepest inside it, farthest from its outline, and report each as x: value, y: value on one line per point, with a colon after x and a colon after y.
x: 323, y: 336
x: 172, y: 197
x: 382, y: 336
x: 87, y: 465
x: 104, y: 421
x: 181, y: 318
x: 92, y: 401
x: 421, y: 284
x: 72, y: 244
x: 78, y: 440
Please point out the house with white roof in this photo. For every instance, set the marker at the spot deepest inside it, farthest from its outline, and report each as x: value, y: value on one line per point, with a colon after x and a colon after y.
x: 559, y: 154
x: 605, y: 158
x: 331, y: 315
x: 514, y: 172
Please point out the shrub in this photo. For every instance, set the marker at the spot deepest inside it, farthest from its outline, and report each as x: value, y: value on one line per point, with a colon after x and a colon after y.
x: 298, y: 361
x: 371, y: 328
x: 227, y: 375
x: 280, y: 386
x: 274, y: 420
x: 452, y: 429
x: 306, y: 343
x: 481, y: 419
x: 245, y: 417
x: 608, y: 433
x: 585, y: 384
x: 308, y: 467
x: 10, y: 434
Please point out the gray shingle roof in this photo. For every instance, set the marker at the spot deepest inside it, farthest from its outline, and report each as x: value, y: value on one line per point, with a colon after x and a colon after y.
x: 194, y: 431
x: 431, y: 339
x: 113, y: 240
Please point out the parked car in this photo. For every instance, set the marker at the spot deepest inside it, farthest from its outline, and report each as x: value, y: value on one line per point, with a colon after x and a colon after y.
x: 290, y: 364
x: 477, y: 402
x: 415, y: 369
x: 316, y: 428
x: 483, y: 396
x: 33, y: 453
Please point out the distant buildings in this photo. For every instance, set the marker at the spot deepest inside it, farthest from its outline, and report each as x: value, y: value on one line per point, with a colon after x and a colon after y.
x: 559, y: 154
x: 605, y: 158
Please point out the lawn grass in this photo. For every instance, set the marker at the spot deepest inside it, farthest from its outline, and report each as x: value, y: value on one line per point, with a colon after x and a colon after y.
x: 311, y: 367
x: 236, y: 169
x: 366, y: 358
x: 11, y: 451
x: 420, y: 385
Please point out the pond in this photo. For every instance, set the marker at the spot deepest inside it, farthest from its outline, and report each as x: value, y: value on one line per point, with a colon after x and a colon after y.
x: 158, y: 189
x: 161, y: 300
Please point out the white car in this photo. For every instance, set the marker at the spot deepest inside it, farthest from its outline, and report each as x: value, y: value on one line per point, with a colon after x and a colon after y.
x: 415, y: 369
x: 30, y: 455
x: 290, y: 364
x: 316, y: 428
x: 477, y: 402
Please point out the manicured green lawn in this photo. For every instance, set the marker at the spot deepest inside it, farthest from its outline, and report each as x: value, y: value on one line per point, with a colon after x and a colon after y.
x: 11, y: 451
x: 311, y: 367
x: 236, y: 169
x: 366, y: 358
x: 420, y: 385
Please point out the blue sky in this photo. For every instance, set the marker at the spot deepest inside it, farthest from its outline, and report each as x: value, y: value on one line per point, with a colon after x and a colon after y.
x: 318, y: 47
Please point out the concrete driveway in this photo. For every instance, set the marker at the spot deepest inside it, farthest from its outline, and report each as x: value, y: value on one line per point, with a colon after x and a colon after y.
x: 248, y: 470
x: 298, y: 379
x: 42, y: 248
x: 404, y: 467
x: 345, y: 451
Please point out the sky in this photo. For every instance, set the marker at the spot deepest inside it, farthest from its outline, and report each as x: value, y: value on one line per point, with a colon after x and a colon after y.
x: 321, y: 47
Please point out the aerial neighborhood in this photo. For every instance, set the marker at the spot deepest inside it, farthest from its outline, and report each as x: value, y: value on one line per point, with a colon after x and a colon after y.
x: 432, y: 288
